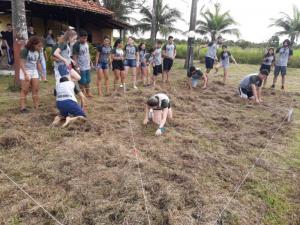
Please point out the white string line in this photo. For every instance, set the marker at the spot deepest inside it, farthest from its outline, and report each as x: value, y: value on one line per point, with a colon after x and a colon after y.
x: 137, y: 158
x: 29, y: 196
x: 249, y: 171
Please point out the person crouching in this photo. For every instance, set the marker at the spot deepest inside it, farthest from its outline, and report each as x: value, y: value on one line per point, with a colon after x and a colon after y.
x: 66, y: 101
x: 158, y: 110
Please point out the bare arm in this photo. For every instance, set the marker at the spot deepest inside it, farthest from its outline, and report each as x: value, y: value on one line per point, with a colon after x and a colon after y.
x: 254, y: 91
x: 164, y: 119
x: 233, y: 59
x: 22, y: 66
x: 58, y: 56
x: 175, y: 53
x: 97, y: 57
x: 146, y: 119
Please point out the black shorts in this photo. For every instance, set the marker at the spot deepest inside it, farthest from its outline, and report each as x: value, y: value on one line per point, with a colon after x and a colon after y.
x: 209, y: 63
x: 246, y: 92
x: 169, y: 107
x: 168, y: 63
x: 157, y: 70
x: 118, y: 65
x: 265, y: 67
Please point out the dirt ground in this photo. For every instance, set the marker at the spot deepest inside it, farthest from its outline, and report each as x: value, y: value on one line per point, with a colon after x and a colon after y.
x: 88, y: 174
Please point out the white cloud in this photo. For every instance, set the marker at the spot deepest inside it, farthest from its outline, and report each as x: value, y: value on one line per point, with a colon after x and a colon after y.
x: 252, y: 15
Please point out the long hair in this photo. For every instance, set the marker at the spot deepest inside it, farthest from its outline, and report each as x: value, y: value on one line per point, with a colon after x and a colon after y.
x: 32, y: 42
x: 69, y: 34
x: 140, y: 46
x: 118, y: 41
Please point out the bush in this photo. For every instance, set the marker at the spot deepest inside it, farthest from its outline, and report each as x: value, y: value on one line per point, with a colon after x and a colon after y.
x: 243, y: 56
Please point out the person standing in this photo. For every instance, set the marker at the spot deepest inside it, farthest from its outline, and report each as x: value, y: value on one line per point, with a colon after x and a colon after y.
x: 211, y: 54
x: 31, y: 32
x: 29, y: 72
x: 284, y: 55
x: 169, y: 54
x: 225, y: 57
x: 8, y: 43
x: 50, y: 42
x: 268, y: 62
x: 157, y: 61
x: 131, y: 59
x: 63, y: 53
x: 117, y: 55
x: 143, y: 67
x: 103, y: 63
x: 82, y: 58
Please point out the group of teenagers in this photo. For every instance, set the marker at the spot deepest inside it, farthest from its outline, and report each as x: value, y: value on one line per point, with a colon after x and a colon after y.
x: 72, y: 66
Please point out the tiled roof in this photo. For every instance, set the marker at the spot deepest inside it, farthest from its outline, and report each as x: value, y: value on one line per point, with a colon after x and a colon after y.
x: 77, y: 4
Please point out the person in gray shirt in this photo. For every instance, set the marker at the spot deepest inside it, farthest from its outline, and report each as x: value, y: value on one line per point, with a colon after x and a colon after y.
x: 131, y: 59
x: 211, y: 54
x: 157, y: 61
x: 103, y: 63
x: 250, y: 86
x: 284, y: 55
x: 82, y: 58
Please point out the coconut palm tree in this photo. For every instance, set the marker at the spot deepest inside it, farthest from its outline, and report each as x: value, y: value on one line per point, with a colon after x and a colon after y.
x: 290, y: 26
x: 215, y: 23
x: 166, y: 17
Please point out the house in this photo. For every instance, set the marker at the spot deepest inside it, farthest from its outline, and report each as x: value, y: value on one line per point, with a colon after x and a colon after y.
x: 58, y: 15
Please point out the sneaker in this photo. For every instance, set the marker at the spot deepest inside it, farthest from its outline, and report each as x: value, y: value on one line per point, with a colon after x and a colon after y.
x: 282, y: 87
x: 24, y: 110
x: 135, y: 87
x: 273, y: 86
x: 121, y: 85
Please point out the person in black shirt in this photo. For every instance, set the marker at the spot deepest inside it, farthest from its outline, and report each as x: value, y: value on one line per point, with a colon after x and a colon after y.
x: 8, y: 42
x: 31, y: 32
x: 194, y: 77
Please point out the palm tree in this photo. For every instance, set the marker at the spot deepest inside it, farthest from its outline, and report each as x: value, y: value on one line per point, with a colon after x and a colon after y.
x: 166, y: 17
x: 290, y: 25
x: 216, y: 23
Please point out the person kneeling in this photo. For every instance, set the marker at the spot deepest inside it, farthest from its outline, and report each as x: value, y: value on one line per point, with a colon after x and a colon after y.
x: 158, y: 109
x: 250, y: 86
x: 194, y: 76
x: 66, y: 102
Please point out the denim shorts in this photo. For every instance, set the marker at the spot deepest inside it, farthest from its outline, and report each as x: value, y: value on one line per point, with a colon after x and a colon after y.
x: 195, y: 82
x: 143, y: 65
x: 280, y: 69
x: 130, y: 63
x: 103, y: 65
x: 209, y: 63
x: 85, y: 77
x: 69, y: 108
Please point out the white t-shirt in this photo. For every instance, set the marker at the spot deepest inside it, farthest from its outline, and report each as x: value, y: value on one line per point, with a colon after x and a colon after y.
x: 65, y: 91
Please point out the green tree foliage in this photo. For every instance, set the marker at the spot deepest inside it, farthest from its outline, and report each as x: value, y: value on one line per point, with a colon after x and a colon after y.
x: 215, y: 22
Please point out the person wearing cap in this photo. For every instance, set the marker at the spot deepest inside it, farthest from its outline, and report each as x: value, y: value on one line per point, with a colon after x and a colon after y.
x: 284, y: 55
x: 66, y: 101
x: 250, y: 86
x: 158, y: 110
x: 268, y: 62
x: 211, y: 54
x: 194, y: 76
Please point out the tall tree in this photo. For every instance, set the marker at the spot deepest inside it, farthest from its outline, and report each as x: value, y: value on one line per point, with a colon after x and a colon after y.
x: 216, y: 23
x: 289, y: 25
x: 154, y: 22
x: 19, y: 32
x: 123, y: 8
x: 166, y: 17
x: 193, y: 18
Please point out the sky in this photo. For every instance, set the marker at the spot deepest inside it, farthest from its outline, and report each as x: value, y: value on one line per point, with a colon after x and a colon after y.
x: 253, y: 16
